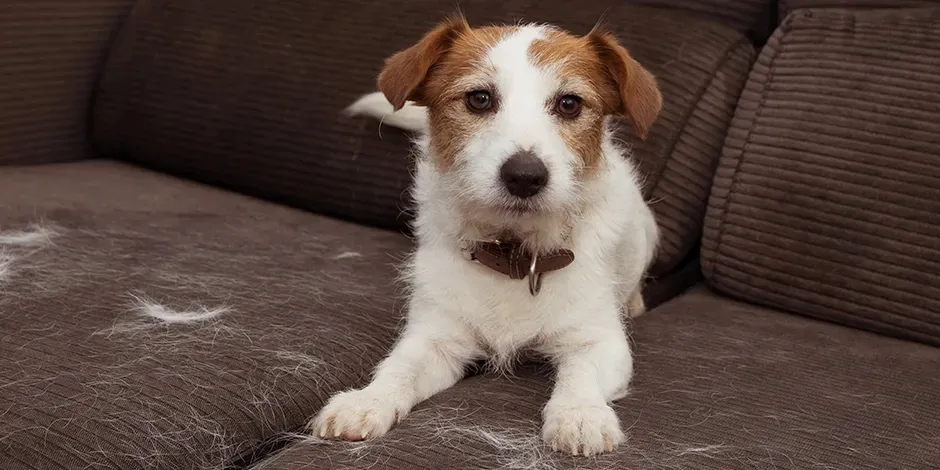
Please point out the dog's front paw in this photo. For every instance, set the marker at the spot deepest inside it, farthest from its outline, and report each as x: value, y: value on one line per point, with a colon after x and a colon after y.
x: 355, y: 415
x: 582, y: 429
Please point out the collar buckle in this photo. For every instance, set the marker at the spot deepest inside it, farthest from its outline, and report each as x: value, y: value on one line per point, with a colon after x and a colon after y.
x: 516, y: 262
x: 535, y: 277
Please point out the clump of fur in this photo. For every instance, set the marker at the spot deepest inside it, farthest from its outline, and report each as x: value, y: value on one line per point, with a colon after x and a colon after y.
x: 148, y: 308
x: 17, y: 245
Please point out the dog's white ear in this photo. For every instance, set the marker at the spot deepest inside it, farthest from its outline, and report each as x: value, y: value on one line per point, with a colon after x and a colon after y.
x: 405, y: 72
x: 637, y: 90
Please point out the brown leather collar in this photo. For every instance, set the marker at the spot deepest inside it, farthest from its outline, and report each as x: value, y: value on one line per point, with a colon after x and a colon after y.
x: 513, y: 260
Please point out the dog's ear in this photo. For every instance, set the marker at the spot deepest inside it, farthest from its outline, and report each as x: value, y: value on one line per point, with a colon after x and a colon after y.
x: 638, y: 95
x: 405, y: 72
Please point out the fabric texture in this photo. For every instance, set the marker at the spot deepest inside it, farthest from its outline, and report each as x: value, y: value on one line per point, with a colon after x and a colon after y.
x: 115, y: 353
x: 248, y: 95
x: 661, y: 289
x: 787, y: 6
x: 148, y: 322
x: 745, y: 15
x: 827, y: 198
x: 719, y: 385
x: 51, y: 53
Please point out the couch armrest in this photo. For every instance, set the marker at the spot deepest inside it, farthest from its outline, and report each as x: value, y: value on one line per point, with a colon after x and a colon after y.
x: 51, y: 54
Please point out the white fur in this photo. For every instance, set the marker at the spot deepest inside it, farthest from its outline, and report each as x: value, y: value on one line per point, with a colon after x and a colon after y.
x: 151, y: 309
x: 410, y: 117
x: 6, y: 265
x: 38, y: 236
x: 17, y: 245
x: 460, y: 311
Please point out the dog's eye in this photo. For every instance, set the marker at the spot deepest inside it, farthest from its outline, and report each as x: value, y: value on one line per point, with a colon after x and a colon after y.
x: 569, y: 106
x: 479, y: 101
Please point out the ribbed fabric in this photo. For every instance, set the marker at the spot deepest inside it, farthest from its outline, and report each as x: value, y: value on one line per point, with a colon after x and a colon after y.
x: 701, y: 67
x: 719, y: 385
x: 678, y: 188
x: 745, y: 15
x: 827, y: 198
x: 247, y: 96
x: 51, y: 53
x: 787, y: 6
x: 88, y: 382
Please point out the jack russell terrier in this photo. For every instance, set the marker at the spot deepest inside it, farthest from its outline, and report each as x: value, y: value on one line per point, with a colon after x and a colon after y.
x: 532, y: 231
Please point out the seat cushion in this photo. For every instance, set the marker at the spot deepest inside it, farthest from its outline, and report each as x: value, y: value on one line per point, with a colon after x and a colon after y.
x: 719, y: 385
x: 169, y: 325
x: 827, y: 198
x: 249, y: 95
x: 51, y: 54
x: 148, y: 322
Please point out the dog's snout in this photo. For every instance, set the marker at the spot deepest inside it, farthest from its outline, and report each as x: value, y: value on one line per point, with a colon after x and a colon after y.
x: 524, y: 174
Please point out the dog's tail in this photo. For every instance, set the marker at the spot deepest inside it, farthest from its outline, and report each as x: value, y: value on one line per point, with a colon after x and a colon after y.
x: 411, y: 117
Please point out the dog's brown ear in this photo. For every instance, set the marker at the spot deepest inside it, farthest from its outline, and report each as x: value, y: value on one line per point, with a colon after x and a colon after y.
x: 405, y: 72
x: 639, y: 95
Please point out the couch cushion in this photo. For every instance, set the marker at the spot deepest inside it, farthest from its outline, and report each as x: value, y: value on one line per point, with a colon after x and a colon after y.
x: 787, y: 6
x: 752, y: 16
x: 51, y: 53
x: 249, y: 95
x: 827, y: 198
x: 89, y: 380
x: 719, y: 385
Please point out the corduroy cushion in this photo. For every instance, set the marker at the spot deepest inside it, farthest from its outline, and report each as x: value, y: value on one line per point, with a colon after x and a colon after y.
x: 249, y: 95
x: 752, y: 16
x: 89, y: 381
x: 719, y: 385
x: 787, y: 6
x: 51, y: 53
x: 827, y: 198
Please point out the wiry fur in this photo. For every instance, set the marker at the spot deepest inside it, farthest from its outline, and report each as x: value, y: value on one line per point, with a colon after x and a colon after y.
x: 460, y: 311
x: 18, y: 245
x: 151, y: 309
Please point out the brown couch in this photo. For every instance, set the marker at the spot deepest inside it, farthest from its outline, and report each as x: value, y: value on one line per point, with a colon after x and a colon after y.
x: 192, y: 154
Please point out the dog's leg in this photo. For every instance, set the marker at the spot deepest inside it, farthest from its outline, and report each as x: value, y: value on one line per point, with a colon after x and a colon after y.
x: 635, y: 304
x: 428, y: 358
x: 594, y: 367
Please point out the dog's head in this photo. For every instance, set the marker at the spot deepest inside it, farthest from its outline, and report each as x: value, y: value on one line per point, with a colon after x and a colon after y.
x: 517, y: 114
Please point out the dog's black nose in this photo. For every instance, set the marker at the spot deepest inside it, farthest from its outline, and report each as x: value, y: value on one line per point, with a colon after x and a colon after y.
x: 524, y: 174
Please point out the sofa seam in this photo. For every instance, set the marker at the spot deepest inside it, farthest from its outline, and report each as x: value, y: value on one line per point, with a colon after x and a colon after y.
x: 124, y: 41
x: 683, y: 128
x: 785, y: 29
x: 684, y: 119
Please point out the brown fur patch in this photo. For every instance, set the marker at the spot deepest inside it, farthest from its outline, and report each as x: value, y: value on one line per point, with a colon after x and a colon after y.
x: 461, y: 70
x: 584, y: 75
x: 405, y: 73
x: 640, y: 98
x: 447, y: 63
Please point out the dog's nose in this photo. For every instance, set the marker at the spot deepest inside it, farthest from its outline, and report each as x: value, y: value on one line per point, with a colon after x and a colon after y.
x: 524, y: 174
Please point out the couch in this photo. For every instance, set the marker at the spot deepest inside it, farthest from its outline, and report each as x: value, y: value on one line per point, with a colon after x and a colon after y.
x: 197, y: 248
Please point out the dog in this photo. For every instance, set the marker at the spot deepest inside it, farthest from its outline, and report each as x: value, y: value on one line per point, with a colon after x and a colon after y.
x: 531, y: 228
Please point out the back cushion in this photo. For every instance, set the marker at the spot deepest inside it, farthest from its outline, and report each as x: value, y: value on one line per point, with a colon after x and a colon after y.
x: 826, y: 201
x: 787, y: 6
x: 751, y: 16
x: 249, y: 95
x: 51, y: 53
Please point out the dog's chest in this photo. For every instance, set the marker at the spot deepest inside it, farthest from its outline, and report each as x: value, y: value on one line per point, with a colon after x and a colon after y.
x: 502, y: 312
